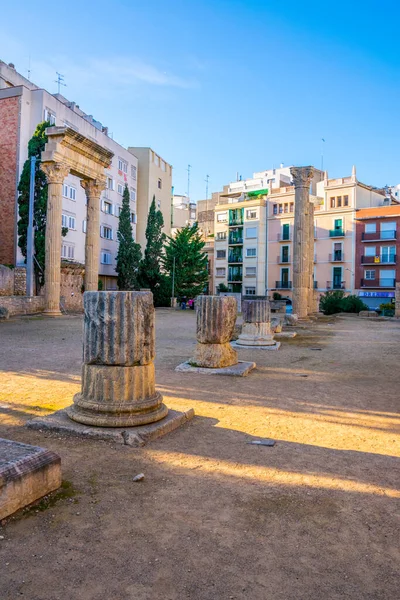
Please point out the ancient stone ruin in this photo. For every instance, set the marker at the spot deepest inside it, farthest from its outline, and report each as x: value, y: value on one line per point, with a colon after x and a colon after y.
x: 256, y: 329
x: 118, y: 380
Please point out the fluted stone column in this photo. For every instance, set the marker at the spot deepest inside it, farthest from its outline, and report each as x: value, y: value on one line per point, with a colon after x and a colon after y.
x: 311, y: 302
x: 93, y: 189
x: 216, y: 318
x: 256, y: 329
x: 55, y: 173
x: 301, y: 240
x: 118, y: 382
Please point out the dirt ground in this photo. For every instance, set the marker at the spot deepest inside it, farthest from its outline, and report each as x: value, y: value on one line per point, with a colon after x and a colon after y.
x: 315, y: 517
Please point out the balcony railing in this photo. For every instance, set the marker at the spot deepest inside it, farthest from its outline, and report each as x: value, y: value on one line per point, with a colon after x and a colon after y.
x: 382, y: 260
x: 379, y: 235
x: 378, y: 283
x: 283, y: 285
x: 336, y: 257
x: 235, y: 258
x: 339, y: 232
x: 282, y: 260
x: 315, y: 285
x: 235, y: 277
x: 236, y: 221
x: 284, y: 237
x: 235, y: 240
x: 335, y: 285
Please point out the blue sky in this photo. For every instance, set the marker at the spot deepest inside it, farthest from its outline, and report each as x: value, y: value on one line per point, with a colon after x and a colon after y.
x: 227, y: 86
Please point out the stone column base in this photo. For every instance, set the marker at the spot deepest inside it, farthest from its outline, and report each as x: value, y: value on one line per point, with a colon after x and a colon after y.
x: 256, y: 334
x: 214, y: 356
x: 52, y: 313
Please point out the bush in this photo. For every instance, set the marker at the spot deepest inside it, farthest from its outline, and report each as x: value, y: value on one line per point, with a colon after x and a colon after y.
x: 387, y: 306
x: 335, y: 301
x: 162, y: 291
x: 223, y: 288
x: 277, y: 296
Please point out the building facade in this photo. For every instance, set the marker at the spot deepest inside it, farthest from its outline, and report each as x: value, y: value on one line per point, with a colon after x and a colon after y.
x: 377, y: 252
x: 184, y: 212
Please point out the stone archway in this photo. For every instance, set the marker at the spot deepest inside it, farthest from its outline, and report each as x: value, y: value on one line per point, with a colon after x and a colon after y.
x: 67, y: 151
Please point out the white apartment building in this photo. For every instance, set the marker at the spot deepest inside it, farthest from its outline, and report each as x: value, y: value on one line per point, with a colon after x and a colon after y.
x: 183, y: 212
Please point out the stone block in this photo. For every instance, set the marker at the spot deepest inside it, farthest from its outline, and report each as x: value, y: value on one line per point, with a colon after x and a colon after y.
x: 240, y: 369
x: 367, y: 313
x: 26, y: 474
x: 214, y: 356
x: 118, y: 328
x: 216, y: 318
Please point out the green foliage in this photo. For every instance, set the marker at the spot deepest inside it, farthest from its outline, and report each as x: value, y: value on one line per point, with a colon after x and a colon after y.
x: 150, y: 266
x: 191, y: 275
x: 129, y: 253
x: 335, y: 302
x: 162, y: 291
x: 223, y: 288
x: 387, y: 306
x: 100, y: 285
x: 35, y: 148
x: 277, y: 296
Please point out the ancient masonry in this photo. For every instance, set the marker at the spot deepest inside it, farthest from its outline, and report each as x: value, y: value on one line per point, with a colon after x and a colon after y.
x: 118, y: 380
x: 303, y: 242
x: 256, y: 329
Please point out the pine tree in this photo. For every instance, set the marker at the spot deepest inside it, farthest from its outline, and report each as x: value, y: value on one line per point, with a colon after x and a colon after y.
x: 129, y: 253
x: 150, y: 268
x: 35, y: 148
x: 191, y: 274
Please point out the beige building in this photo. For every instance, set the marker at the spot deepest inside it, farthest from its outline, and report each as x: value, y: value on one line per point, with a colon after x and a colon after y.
x: 184, y: 212
x: 155, y: 181
x: 205, y: 219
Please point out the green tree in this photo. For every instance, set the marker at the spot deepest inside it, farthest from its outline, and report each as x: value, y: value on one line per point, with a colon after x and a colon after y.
x: 129, y: 253
x: 35, y: 148
x: 191, y: 274
x: 150, y: 267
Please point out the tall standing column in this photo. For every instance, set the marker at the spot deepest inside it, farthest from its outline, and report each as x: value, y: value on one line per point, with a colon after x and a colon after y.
x: 301, y: 240
x: 55, y: 173
x: 93, y: 189
x: 311, y: 293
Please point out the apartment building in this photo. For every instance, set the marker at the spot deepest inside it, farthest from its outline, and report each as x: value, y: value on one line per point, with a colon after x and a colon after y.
x: 155, y: 181
x: 336, y: 202
x: 205, y: 219
x: 377, y: 252
x: 184, y: 212
x: 23, y: 105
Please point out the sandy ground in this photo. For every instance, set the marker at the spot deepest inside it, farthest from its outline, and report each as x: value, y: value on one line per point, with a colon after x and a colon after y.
x: 315, y: 517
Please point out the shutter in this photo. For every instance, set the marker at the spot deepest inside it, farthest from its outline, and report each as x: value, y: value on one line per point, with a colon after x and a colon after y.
x: 84, y: 226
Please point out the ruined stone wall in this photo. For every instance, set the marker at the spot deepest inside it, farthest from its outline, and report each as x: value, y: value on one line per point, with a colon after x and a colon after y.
x: 21, y: 305
x: 20, y: 281
x: 6, y: 281
x: 72, y: 276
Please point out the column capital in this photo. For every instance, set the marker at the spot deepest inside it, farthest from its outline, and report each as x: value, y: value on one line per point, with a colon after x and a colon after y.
x: 302, y: 176
x: 55, y: 172
x: 94, y: 187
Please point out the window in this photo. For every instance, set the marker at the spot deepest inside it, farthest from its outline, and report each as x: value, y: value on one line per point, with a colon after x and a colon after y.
x: 291, y: 207
x: 64, y: 221
x: 65, y: 190
x: 133, y: 172
x: 370, y: 251
x: 158, y: 204
x: 106, y: 232
x: 222, y: 217
x: 251, y: 252
x: 122, y: 165
x: 72, y: 193
x: 370, y: 228
x: 110, y: 183
x: 221, y: 253
x: 221, y: 235
x: 106, y: 258
x: 192, y: 215
x: 388, y: 254
x: 133, y: 194
x: 369, y: 274
x: 120, y: 188
x: 49, y: 116
x: 107, y: 208
x: 220, y: 272
x: 133, y: 218
x: 157, y: 160
x: 280, y: 209
x: 159, y: 184
x: 345, y: 200
x: 275, y: 209
x: 250, y: 291
x: 339, y: 201
x: 119, y: 210
x: 251, y: 271
x: 333, y: 204
x: 251, y: 214
x: 71, y: 223
x: 67, y: 251
x: 286, y: 208
x: 285, y: 232
x: 84, y: 226
x: 251, y: 232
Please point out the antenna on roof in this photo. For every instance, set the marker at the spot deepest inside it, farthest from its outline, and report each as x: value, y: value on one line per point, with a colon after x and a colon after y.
x: 60, y: 81
x: 29, y: 67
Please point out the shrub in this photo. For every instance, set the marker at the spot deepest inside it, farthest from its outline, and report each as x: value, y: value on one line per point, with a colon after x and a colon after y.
x: 223, y: 288
x: 386, y: 306
x: 330, y: 303
x: 277, y: 296
x: 353, y: 304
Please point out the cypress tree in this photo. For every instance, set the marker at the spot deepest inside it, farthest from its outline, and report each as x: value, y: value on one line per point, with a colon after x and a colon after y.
x: 35, y: 148
x: 150, y: 268
x: 129, y: 253
x: 191, y: 274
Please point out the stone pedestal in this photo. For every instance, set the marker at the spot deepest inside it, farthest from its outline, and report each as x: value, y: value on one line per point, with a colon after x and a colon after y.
x: 256, y: 330
x: 216, y: 318
x: 118, y: 382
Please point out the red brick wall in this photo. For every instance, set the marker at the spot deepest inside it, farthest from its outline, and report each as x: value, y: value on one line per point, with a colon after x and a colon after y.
x: 9, y: 114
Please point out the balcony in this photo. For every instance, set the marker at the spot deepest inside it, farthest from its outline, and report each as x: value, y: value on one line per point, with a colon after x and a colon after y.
x: 339, y: 232
x: 382, y: 260
x: 283, y: 285
x: 284, y: 237
x: 283, y: 260
x: 377, y: 236
x: 315, y: 285
x: 234, y: 240
x: 335, y: 285
x: 336, y: 257
x: 378, y: 283
x: 235, y: 277
x: 234, y: 222
x: 235, y: 258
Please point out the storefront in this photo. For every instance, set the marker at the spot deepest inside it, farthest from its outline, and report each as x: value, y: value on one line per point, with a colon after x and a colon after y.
x: 374, y: 299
